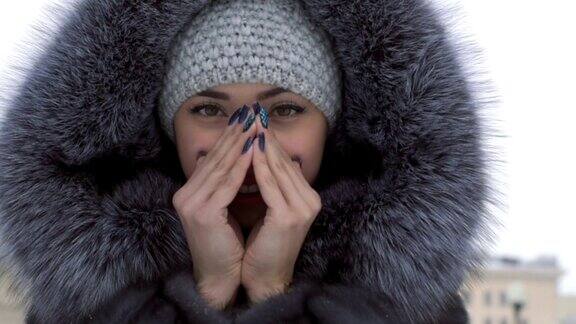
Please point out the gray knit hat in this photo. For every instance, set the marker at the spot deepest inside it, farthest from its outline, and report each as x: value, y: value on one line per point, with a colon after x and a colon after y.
x: 251, y: 41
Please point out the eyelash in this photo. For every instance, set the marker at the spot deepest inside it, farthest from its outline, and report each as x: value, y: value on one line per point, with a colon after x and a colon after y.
x: 294, y: 107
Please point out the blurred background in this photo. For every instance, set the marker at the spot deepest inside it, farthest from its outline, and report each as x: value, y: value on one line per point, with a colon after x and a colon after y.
x: 528, y: 52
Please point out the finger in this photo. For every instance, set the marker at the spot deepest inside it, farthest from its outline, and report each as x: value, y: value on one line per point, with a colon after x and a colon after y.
x: 233, y: 131
x: 269, y: 189
x: 281, y: 168
x: 219, y: 165
x: 205, y: 164
x: 307, y: 192
x: 303, y: 186
x: 230, y: 172
x: 227, y: 191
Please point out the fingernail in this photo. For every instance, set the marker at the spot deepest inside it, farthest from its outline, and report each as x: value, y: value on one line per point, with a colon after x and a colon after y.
x: 256, y: 108
x: 234, y: 116
x: 249, y: 122
x: 264, y: 118
x: 261, y: 141
x: 243, y: 114
x: 248, y: 144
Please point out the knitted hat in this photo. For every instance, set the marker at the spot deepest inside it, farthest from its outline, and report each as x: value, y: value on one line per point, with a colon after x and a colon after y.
x: 251, y: 41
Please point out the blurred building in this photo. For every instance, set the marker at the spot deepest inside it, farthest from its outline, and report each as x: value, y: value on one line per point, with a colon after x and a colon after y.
x: 567, y: 309
x: 511, y: 291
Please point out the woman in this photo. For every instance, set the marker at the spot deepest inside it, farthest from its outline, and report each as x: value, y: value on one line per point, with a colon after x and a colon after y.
x: 124, y: 155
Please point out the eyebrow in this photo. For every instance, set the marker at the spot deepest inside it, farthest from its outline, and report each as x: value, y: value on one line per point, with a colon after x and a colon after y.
x: 223, y: 96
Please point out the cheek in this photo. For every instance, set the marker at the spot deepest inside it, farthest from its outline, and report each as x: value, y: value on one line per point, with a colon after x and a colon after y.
x: 192, y: 146
x: 311, y: 160
x: 309, y: 150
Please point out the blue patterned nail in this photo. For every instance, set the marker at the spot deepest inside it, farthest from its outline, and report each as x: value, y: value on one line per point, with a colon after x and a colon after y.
x: 234, y: 116
x: 264, y: 117
x: 256, y: 109
x: 248, y: 144
x: 249, y: 122
x: 243, y: 114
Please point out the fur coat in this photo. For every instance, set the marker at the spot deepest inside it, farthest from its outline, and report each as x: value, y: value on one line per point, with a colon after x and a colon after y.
x: 88, y: 229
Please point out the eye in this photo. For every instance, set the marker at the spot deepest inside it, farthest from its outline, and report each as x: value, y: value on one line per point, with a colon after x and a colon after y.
x: 287, y: 108
x: 206, y: 108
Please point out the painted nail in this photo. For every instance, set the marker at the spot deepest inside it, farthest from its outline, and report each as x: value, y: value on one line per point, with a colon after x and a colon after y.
x: 249, y: 122
x: 264, y: 118
x: 234, y: 116
x: 256, y: 109
x: 248, y: 144
x: 243, y: 114
x: 261, y: 141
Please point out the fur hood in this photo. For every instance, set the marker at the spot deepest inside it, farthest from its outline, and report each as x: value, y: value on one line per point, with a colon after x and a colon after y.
x: 87, y: 176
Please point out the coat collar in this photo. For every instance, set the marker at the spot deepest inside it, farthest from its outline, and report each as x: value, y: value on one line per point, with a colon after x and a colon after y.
x: 88, y: 176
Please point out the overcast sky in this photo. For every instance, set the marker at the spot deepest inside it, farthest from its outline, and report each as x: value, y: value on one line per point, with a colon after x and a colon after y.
x: 529, y: 52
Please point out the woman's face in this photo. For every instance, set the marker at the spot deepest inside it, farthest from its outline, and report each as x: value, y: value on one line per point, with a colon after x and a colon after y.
x: 297, y: 124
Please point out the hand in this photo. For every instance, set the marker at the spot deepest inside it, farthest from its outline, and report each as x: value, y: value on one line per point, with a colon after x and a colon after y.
x: 214, y: 237
x: 274, y: 243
